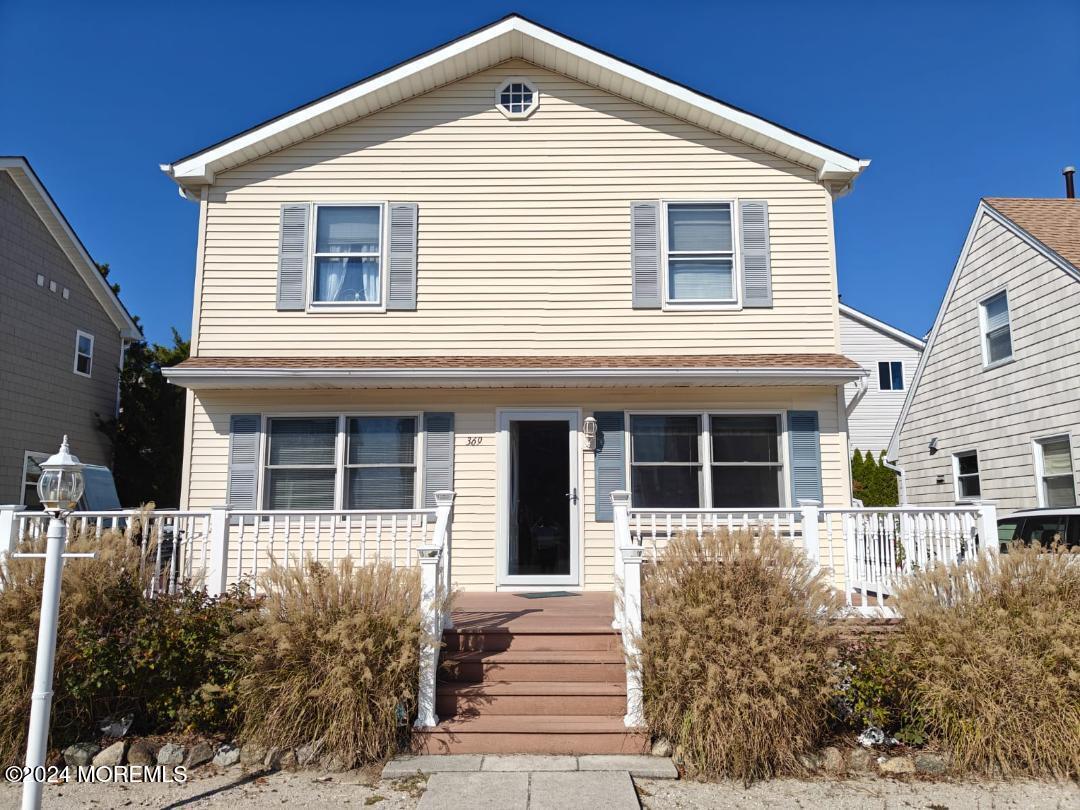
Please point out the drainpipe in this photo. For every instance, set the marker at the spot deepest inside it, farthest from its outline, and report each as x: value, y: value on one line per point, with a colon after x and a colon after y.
x: 896, y: 468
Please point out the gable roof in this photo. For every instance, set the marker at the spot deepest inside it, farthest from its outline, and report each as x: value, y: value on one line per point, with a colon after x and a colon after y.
x: 881, y: 326
x: 1049, y: 226
x: 509, y: 38
x: 20, y: 171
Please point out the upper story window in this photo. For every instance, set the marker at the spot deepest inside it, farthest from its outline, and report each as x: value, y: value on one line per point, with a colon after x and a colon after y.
x: 996, y: 329
x: 517, y: 98
x: 348, y: 255
x: 84, y: 353
x: 966, y: 473
x: 700, y: 253
x: 890, y: 375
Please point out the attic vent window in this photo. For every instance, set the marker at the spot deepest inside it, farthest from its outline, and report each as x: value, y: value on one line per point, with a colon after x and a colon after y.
x: 517, y: 98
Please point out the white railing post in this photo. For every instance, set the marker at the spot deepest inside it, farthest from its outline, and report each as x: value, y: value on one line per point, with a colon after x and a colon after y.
x: 987, y: 522
x: 811, y: 515
x: 9, y: 532
x: 620, y: 502
x: 444, y: 523
x: 431, y: 624
x: 631, y: 633
x: 217, y: 575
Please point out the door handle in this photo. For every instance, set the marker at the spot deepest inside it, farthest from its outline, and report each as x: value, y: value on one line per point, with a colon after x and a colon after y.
x: 572, y: 495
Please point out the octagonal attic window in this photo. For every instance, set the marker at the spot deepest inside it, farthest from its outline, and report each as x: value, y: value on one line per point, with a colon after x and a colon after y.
x: 517, y: 98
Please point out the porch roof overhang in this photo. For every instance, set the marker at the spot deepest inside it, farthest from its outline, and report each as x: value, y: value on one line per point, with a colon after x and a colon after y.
x: 209, y: 373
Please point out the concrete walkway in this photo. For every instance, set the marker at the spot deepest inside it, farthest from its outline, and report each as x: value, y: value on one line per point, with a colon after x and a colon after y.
x: 531, y: 782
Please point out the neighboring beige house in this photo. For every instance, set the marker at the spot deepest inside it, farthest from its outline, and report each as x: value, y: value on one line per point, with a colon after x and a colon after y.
x: 62, y: 335
x: 450, y: 274
x: 890, y: 357
x: 994, y: 411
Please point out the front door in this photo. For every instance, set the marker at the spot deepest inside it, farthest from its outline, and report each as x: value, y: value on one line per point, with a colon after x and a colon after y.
x: 539, y: 498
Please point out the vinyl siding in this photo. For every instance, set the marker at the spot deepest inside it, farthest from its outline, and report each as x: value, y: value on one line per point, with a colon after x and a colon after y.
x: 871, y: 425
x: 476, y: 468
x: 997, y: 411
x: 524, y: 230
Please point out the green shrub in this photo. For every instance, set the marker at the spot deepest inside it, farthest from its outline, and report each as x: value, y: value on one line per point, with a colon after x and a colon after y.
x: 738, y: 654
x: 872, y: 482
x: 992, y: 653
x: 162, y: 660
x: 876, y: 692
x: 332, y: 655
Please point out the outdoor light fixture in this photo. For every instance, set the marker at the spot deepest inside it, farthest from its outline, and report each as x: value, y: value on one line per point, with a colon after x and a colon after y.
x: 61, y: 483
x: 589, y: 429
x: 933, y: 445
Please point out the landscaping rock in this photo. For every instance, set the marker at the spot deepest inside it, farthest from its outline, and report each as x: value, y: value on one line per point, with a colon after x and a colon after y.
x: 862, y: 760
x: 810, y: 760
x: 272, y: 760
x: 171, y: 754
x: 287, y: 760
x: 252, y: 756
x: 896, y: 766
x: 931, y: 764
x: 200, y: 754
x: 334, y: 764
x: 80, y: 754
x: 227, y: 756
x: 662, y: 748
x: 832, y: 760
x: 307, y: 754
x: 141, y: 754
x: 113, y: 755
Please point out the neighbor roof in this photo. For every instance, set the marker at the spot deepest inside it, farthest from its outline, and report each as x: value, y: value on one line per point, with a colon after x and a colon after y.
x: 1055, y: 222
x: 509, y: 38
x: 20, y: 171
x: 881, y: 326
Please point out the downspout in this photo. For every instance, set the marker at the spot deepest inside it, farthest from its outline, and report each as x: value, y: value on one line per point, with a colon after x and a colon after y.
x: 896, y: 468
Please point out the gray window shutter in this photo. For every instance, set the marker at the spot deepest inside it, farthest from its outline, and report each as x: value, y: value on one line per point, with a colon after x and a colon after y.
x: 438, y: 455
x: 243, y: 461
x: 754, y: 244
x: 292, y: 256
x: 402, y: 257
x: 610, y: 460
x: 805, y: 440
x: 645, y: 254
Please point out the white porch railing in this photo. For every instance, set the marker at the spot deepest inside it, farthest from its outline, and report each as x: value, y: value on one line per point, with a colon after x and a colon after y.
x: 867, y: 551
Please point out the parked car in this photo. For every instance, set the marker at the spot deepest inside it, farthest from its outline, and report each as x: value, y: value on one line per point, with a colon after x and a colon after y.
x: 1044, y: 526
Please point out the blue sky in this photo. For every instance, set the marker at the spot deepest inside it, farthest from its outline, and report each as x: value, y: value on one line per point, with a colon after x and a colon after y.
x: 952, y: 102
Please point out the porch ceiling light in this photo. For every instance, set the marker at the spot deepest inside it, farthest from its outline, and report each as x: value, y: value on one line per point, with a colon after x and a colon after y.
x: 61, y: 483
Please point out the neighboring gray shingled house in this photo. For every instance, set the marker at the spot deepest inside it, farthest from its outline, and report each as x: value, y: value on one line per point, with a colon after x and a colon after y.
x: 62, y: 334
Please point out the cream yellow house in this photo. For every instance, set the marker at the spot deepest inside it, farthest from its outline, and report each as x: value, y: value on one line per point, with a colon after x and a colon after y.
x: 527, y: 271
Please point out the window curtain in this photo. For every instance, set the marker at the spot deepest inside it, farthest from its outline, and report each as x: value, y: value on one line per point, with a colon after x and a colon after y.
x: 331, y: 278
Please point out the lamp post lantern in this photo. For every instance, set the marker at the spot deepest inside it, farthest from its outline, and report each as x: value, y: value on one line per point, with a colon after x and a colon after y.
x: 59, y: 488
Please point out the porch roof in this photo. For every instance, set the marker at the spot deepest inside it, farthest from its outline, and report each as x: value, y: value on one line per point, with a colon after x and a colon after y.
x: 526, y: 370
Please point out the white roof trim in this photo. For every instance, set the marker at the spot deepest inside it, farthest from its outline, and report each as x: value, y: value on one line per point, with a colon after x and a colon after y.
x: 881, y: 326
x: 511, y: 37
x: 222, y: 378
x: 984, y: 209
x: 42, y: 202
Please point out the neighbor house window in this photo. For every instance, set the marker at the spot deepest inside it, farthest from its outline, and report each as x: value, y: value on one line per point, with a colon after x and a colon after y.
x: 997, y: 329
x: 348, y: 255
x: 517, y: 98
x: 706, y: 460
x: 966, y: 471
x: 377, y: 470
x: 700, y: 253
x: 890, y: 375
x: 31, y: 473
x: 1055, y: 471
x: 84, y: 353
x: 381, y: 462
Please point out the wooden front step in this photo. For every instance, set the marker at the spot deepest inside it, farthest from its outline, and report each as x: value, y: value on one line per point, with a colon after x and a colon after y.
x: 582, y: 698
x: 534, y: 665
x: 501, y: 639
x: 532, y: 734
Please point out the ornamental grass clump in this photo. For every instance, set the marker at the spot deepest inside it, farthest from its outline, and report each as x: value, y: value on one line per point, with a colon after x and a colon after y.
x: 332, y: 655
x: 992, y: 652
x: 738, y: 653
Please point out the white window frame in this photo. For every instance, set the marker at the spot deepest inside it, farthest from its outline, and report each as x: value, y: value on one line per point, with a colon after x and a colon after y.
x: 522, y: 115
x: 1040, y: 476
x: 903, y: 375
x: 984, y: 336
x: 340, y: 449
x: 960, y: 497
x: 313, y: 255
x: 705, y: 454
x: 417, y: 452
x: 735, y: 303
x: 28, y: 456
x: 79, y: 335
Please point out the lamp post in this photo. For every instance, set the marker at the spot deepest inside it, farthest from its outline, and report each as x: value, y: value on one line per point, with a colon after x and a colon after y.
x: 59, y: 488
